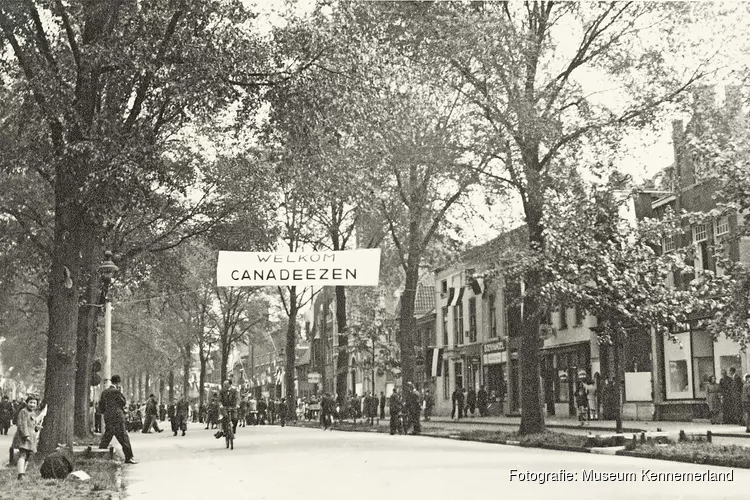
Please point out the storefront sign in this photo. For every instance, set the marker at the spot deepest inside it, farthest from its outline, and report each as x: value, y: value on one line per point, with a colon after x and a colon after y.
x: 495, y: 358
x: 313, y: 378
x: 347, y: 267
x: 498, y: 346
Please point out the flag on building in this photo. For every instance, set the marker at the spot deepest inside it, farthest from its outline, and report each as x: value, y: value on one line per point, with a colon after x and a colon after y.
x: 455, y: 296
x: 436, y: 363
x: 477, y: 286
x: 278, y: 374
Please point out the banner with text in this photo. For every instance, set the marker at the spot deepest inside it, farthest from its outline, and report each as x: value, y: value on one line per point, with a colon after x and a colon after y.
x: 346, y: 267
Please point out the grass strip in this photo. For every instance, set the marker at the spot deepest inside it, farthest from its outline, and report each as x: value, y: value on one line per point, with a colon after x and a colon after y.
x: 102, y: 485
x: 694, y: 453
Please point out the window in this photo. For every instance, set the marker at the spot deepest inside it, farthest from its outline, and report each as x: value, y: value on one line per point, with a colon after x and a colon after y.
x: 458, y: 324
x: 563, y: 317
x: 580, y: 314
x: 444, y: 287
x: 458, y: 368
x: 546, y: 318
x: 722, y: 226
x: 472, y: 319
x: 699, y: 233
x: 445, y: 325
x: 667, y: 244
x: 493, y: 316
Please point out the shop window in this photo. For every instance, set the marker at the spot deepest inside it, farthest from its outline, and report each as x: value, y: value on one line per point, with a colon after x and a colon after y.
x: 493, y: 316
x: 445, y: 325
x: 472, y: 319
x: 703, y: 361
x: 678, y: 367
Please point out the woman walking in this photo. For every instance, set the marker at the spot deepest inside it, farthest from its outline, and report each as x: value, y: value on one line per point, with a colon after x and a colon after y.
x: 25, y: 438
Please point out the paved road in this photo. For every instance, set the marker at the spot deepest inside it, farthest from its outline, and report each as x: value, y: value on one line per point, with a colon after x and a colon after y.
x: 294, y: 463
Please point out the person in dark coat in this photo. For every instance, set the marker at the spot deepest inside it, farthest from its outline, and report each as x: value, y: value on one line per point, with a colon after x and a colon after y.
x: 113, y: 405
x: 182, y: 411
x: 737, y: 384
x: 725, y: 389
x: 429, y: 404
x: 262, y: 409
x: 327, y: 405
x: 152, y: 415
x: 162, y: 411
x: 6, y: 415
x: 413, y: 402
x: 482, y: 401
x: 471, y: 401
x: 458, y: 403
x: 283, y: 409
x: 395, y: 407
x: 382, y: 405
x: 172, y: 416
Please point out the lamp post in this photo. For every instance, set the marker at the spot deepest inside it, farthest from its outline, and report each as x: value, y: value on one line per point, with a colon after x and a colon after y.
x: 107, y: 271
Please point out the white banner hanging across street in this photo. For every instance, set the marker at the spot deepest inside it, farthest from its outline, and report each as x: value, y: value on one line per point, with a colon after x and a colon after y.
x: 346, y: 267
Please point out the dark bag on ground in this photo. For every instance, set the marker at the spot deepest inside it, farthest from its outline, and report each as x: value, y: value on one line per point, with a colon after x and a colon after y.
x: 57, y: 465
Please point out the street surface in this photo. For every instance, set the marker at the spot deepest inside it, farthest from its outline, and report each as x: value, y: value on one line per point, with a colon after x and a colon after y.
x: 270, y: 462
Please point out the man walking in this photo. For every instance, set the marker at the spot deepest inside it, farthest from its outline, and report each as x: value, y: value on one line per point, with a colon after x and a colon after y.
x: 382, y: 405
x: 181, y: 411
x: 152, y: 415
x: 113, y: 406
x: 229, y: 398
x: 471, y: 401
x: 482, y: 401
x: 413, y: 408
x: 172, y: 415
x: 394, y: 409
x: 282, y: 409
x: 429, y: 404
x: 458, y: 403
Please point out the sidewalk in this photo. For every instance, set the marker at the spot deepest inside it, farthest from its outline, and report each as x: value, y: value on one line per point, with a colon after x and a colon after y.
x: 628, y: 426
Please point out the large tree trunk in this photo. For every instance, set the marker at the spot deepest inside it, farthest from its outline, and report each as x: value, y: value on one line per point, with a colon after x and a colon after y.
x: 291, y: 344
x: 343, y: 339
x: 88, y: 314
x: 171, y: 385
x: 186, y: 371
x: 532, y: 415
x: 202, y: 380
x: 64, y: 282
x: 407, y: 324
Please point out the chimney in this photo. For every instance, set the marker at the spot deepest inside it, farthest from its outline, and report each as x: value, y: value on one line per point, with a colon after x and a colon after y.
x: 684, y: 171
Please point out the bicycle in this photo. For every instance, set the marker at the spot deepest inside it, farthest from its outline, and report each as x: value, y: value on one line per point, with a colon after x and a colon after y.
x: 227, y: 431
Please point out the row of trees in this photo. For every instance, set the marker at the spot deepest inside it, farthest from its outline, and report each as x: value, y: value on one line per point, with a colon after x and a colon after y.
x: 139, y: 127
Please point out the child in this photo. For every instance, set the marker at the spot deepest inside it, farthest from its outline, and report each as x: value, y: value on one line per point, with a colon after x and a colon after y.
x: 26, y: 434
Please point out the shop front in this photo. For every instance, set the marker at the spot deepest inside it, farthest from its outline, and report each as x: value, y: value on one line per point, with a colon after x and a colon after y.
x: 495, y: 362
x: 687, y: 361
x: 560, y: 368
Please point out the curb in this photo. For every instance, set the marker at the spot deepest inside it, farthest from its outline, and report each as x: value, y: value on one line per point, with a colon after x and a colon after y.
x: 551, y: 426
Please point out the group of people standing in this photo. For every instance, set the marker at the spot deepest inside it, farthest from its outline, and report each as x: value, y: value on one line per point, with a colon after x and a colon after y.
x: 468, y: 401
x: 729, y: 398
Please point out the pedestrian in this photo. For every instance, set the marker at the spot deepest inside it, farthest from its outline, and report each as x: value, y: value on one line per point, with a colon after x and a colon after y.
x: 283, y: 409
x: 482, y: 401
x: 737, y: 385
x: 413, y: 408
x: 272, y: 411
x: 713, y: 399
x: 6, y: 415
x: 152, y: 415
x: 182, y: 408
x: 458, y: 403
x: 429, y: 404
x: 262, y: 409
x: 471, y: 401
x: 746, y: 401
x: 162, y: 411
x: 229, y: 398
x: 394, y: 409
x: 172, y: 415
x: 25, y: 439
x: 373, y: 408
x: 252, y: 410
x: 242, y: 413
x: 113, y: 405
x: 725, y: 388
x: 582, y: 402
x: 326, y: 411
x: 382, y: 405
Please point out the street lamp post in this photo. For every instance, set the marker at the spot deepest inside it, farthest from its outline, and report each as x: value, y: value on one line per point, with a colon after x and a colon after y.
x: 107, y: 271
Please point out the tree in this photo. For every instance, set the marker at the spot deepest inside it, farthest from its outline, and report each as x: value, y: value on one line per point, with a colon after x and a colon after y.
x: 518, y: 66
x: 107, y: 84
x: 614, y: 269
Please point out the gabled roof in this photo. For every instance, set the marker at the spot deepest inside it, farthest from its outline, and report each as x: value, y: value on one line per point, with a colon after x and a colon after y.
x: 424, y: 302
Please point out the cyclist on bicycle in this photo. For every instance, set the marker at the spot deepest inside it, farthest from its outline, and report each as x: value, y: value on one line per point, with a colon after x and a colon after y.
x: 229, y: 398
